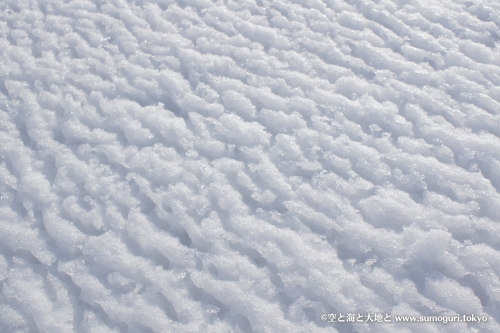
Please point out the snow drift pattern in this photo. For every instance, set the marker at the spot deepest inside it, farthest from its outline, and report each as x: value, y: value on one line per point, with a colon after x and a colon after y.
x: 245, y: 166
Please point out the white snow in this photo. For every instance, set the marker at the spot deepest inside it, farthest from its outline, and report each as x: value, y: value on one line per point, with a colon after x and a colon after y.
x: 247, y: 166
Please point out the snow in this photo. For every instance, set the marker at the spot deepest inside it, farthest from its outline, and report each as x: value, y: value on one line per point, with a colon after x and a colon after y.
x: 247, y: 166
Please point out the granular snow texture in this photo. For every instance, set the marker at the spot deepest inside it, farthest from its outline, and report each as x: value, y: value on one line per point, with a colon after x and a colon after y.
x: 246, y: 166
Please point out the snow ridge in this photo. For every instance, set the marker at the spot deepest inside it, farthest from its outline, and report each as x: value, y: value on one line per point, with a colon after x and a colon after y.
x: 246, y: 166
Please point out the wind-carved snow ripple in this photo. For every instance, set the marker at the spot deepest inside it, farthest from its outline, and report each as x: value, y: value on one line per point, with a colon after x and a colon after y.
x: 199, y: 166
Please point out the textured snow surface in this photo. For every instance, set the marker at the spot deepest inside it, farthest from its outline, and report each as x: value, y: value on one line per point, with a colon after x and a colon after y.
x: 245, y: 166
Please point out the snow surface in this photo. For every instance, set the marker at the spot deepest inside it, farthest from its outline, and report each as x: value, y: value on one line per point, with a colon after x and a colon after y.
x: 246, y: 166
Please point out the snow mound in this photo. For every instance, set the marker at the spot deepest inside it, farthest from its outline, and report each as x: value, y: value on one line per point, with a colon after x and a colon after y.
x: 247, y: 166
